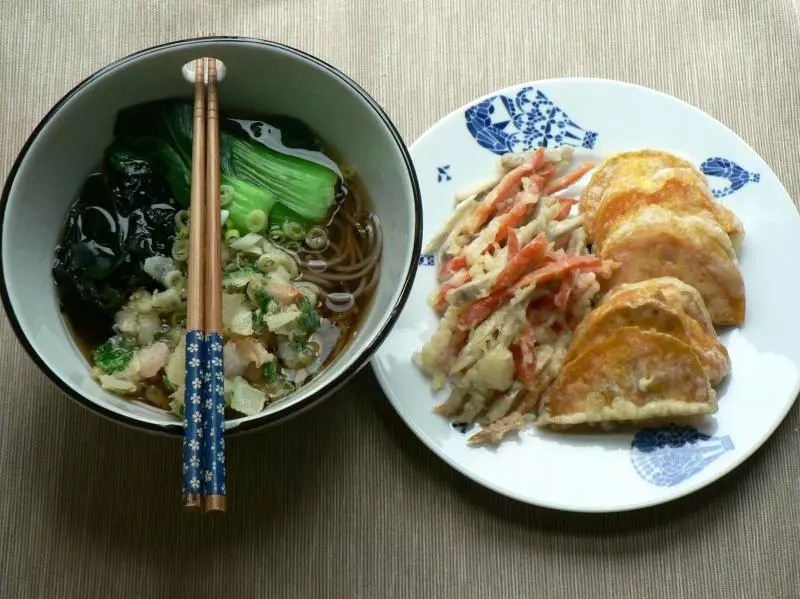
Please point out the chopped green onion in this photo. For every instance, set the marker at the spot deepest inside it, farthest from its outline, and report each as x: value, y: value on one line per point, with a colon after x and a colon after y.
x: 226, y: 194
x: 317, y: 238
x: 265, y: 263
x: 180, y: 250
x: 294, y: 231
x: 256, y: 220
x: 277, y: 235
x: 231, y: 234
x: 176, y: 319
x: 182, y: 220
x: 174, y: 278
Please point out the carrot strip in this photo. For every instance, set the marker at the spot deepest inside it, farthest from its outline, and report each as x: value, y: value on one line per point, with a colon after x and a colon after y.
x: 543, y: 175
x: 481, y: 309
x: 524, y: 357
x: 508, y: 184
x: 440, y: 303
x: 450, y: 267
x: 566, y: 180
x: 555, y: 270
x: 513, y: 218
x: 513, y: 243
x: 566, y: 205
x: 537, y: 161
x: 505, y: 206
x: 562, y: 297
x: 490, y: 249
x: 500, y: 193
x: 526, y: 258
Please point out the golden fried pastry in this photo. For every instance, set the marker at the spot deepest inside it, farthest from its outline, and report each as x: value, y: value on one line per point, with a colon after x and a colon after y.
x: 640, y: 164
x: 657, y: 243
x: 673, y: 292
x: 680, y: 190
x: 646, y: 306
x: 633, y: 374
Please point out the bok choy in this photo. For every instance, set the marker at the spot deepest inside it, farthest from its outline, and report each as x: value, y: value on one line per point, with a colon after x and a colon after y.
x: 256, y: 178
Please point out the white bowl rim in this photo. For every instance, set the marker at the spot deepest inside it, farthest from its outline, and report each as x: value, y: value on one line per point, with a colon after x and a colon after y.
x: 337, y: 381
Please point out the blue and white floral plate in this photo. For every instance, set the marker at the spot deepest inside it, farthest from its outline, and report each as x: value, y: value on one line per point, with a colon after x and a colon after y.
x: 605, y: 472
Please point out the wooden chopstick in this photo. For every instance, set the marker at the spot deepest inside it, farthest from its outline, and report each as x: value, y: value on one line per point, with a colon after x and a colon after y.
x: 214, y: 475
x: 195, y: 339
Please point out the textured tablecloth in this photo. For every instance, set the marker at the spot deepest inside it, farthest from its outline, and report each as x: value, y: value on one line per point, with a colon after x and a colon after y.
x: 345, y: 501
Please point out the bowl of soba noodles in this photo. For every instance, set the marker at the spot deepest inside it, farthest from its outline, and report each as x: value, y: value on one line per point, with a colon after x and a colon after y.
x: 320, y: 239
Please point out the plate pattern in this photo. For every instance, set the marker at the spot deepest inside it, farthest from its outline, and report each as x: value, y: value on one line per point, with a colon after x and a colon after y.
x: 526, y: 120
x: 723, y: 168
x: 670, y: 455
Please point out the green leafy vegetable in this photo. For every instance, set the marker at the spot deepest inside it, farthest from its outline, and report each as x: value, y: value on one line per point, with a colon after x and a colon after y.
x: 258, y: 322
x: 114, y: 355
x: 299, y: 344
x: 309, y: 321
x: 307, y: 188
x: 157, y: 151
x: 270, y: 370
x: 169, y: 385
x: 258, y: 176
x: 264, y: 300
x: 124, y: 215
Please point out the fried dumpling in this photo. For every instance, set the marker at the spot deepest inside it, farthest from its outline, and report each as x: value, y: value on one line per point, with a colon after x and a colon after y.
x: 639, y: 163
x: 657, y: 243
x: 680, y: 190
x: 634, y: 374
x: 647, y: 306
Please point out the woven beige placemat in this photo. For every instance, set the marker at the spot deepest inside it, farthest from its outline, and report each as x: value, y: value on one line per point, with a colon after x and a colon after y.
x: 345, y: 501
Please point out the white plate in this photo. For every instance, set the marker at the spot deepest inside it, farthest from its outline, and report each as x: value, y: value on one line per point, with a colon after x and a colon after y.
x: 606, y: 472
